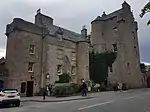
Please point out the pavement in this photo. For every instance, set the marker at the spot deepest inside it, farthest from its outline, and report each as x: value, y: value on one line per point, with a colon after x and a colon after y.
x: 127, y: 101
x: 54, y: 99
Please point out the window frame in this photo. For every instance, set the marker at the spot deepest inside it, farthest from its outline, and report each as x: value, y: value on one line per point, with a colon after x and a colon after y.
x: 115, y: 48
x: 111, y: 69
x: 60, y: 53
x: 61, y: 69
x: 30, y: 49
x: 32, y: 66
x: 74, y: 70
x: 73, y: 56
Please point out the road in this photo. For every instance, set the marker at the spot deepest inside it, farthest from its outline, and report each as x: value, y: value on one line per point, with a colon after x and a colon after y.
x: 128, y: 101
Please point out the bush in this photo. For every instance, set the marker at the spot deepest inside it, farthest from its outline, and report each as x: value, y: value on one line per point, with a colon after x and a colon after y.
x: 65, y: 89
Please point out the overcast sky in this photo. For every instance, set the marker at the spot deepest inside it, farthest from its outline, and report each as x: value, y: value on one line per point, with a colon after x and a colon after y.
x: 72, y: 14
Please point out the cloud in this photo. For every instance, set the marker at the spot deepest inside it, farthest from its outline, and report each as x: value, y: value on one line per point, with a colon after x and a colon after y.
x: 72, y: 14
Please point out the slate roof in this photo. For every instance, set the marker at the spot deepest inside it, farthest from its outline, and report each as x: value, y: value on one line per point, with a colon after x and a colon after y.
x: 53, y: 29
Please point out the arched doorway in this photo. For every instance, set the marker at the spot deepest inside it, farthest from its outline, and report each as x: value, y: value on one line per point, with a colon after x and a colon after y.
x: 1, y: 85
x: 148, y: 82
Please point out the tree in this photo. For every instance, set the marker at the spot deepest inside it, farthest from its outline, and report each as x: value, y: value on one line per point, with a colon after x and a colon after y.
x: 145, y: 10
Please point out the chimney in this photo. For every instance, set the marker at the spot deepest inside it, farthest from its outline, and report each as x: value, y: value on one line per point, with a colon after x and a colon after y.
x: 41, y: 19
x: 84, y: 32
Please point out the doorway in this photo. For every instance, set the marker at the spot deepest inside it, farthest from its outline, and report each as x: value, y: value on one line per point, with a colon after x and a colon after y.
x: 148, y: 82
x: 1, y: 85
x: 29, y: 92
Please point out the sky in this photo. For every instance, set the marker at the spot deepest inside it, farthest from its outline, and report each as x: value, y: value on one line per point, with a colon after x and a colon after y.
x: 72, y: 14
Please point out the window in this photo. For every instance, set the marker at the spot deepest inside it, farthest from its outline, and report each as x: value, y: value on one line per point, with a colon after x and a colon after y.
x: 60, y: 54
x: 30, y: 66
x: 110, y: 69
x: 115, y: 30
x: 115, y: 47
x: 59, y: 69
x: 32, y: 49
x: 135, y: 50
x: 73, y: 70
x: 128, y: 68
x: 23, y: 87
x: 133, y: 35
x: 104, y: 47
x: 73, y: 56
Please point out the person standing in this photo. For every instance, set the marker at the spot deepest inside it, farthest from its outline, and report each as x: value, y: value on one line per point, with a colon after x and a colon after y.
x: 84, y: 88
x: 44, y: 92
x: 120, y: 86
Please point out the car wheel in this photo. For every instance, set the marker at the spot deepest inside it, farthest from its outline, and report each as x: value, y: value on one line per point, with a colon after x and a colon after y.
x: 17, y: 104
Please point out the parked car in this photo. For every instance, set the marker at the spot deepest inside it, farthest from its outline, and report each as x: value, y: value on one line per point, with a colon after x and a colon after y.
x: 10, y: 96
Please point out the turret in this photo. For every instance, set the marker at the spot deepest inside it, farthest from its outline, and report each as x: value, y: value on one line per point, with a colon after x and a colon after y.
x: 97, y: 33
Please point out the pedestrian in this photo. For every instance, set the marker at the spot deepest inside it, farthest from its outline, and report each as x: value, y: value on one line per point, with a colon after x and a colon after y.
x: 84, y: 88
x: 120, y: 86
x: 44, y: 92
x: 50, y: 89
x: 115, y: 86
x: 89, y: 85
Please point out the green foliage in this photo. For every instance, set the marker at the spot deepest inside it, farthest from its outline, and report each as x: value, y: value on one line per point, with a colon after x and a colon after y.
x: 145, y: 10
x: 99, y: 63
x: 64, y: 78
x: 65, y: 89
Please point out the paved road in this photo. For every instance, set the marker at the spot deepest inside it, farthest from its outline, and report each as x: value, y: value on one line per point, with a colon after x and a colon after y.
x: 130, y: 101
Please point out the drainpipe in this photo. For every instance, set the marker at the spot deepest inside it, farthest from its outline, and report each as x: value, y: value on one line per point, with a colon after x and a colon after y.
x: 42, y: 42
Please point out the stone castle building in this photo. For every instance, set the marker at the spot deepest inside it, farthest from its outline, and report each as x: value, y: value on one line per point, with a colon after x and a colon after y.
x: 118, y: 32
x: 37, y: 53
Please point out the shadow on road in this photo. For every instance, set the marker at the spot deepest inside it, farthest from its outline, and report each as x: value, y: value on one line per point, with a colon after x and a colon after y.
x: 8, y: 106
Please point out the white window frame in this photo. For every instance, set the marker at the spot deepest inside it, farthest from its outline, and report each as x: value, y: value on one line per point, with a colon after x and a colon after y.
x: 73, y: 56
x: 75, y: 70
x: 59, y: 72
x: 32, y: 67
x: 33, y: 49
x: 60, y: 54
x: 115, y: 45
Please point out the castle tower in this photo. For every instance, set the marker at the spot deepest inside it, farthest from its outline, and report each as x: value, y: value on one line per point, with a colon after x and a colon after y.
x: 118, y: 32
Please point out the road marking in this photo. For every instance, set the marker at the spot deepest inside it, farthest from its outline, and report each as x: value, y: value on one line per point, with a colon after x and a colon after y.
x: 147, y: 94
x: 131, y: 97
x: 95, y: 105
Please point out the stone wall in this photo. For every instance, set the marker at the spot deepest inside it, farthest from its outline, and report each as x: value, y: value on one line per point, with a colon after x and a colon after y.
x: 59, y: 52
x: 119, y: 28
x: 83, y: 60
x: 20, y: 35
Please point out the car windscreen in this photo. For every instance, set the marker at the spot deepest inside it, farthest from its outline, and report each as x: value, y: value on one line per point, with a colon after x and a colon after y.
x: 10, y: 91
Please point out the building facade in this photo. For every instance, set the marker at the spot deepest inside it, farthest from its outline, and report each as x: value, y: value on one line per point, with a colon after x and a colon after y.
x: 37, y: 53
x: 118, y: 32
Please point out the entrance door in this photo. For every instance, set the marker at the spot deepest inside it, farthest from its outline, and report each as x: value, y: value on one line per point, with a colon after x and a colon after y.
x: 1, y: 85
x: 29, y: 91
x: 148, y: 82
